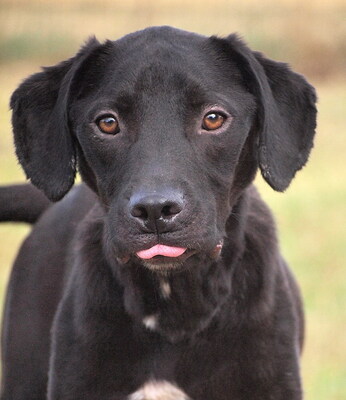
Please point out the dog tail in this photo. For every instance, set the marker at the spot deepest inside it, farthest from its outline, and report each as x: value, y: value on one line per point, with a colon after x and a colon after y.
x: 22, y: 203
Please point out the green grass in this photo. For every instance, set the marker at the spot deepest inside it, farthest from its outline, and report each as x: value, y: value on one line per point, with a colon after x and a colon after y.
x: 311, y: 215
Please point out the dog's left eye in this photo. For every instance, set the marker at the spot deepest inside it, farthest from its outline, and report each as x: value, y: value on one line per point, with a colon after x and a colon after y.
x: 108, y: 124
x: 212, y: 121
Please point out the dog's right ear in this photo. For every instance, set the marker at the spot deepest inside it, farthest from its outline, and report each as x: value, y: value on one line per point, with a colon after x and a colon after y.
x: 44, y: 144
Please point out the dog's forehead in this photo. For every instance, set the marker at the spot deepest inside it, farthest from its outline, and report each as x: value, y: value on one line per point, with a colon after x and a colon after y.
x: 151, y: 40
x: 166, y: 34
x: 164, y: 55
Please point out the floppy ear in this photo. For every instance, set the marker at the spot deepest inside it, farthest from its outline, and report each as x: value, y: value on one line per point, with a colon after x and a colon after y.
x: 286, y: 113
x: 44, y: 144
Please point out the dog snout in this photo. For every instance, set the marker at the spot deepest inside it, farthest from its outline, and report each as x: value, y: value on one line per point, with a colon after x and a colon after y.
x: 156, y: 211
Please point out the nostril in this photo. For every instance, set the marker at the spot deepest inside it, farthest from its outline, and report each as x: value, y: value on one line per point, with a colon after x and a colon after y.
x: 169, y: 210
x: 139, y: 212
x: 166, y: 211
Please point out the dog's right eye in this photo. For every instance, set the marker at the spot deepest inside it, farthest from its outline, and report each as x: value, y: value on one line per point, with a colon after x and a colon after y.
x: 108, y: 124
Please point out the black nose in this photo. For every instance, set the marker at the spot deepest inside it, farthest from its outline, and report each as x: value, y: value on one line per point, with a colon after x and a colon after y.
x: 156, y: 211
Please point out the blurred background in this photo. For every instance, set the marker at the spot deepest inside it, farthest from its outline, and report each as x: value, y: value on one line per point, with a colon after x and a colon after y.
x: 311, y: 215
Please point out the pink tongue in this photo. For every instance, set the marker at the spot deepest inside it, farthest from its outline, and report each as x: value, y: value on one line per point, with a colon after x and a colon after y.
x: 161, y: 250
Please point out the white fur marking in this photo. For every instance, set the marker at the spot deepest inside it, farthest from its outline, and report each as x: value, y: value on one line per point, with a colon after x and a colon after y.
x: 165, y: 289
x: 159, y: 390
x: 150, y: 322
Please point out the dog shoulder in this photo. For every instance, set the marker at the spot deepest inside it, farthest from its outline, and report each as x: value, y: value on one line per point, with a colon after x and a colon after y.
x: 261, y: 224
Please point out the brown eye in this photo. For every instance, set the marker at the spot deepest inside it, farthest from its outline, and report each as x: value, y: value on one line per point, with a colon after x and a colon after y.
x: 213, y: 121
x: 108, y: 125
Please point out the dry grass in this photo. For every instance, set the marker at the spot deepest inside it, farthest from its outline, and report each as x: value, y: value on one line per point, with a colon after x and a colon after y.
x: 309, y: 34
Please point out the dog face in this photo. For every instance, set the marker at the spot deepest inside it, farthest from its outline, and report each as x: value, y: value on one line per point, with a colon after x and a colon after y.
x: 159, y: 120
x: 175, y: 138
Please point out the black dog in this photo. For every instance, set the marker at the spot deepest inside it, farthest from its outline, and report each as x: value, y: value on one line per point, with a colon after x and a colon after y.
x: 161, y: 278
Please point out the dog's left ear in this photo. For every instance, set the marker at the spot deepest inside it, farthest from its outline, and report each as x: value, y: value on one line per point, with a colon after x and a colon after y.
x: 286, y: 113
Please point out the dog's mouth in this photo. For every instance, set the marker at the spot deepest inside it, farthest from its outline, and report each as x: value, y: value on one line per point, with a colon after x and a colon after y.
x: 161, y: 250
x: 161, y: 257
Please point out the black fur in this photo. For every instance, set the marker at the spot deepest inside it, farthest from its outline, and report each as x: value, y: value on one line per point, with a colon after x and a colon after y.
x: 231, y: 325
x: 22, y: 203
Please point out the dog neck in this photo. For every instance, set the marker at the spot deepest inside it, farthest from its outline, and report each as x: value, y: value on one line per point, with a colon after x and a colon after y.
x: 182, y: 304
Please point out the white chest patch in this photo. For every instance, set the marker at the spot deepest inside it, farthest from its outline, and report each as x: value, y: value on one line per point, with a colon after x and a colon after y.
x: 165, y: 289
x: 150, y: 322
x: 159, y: 390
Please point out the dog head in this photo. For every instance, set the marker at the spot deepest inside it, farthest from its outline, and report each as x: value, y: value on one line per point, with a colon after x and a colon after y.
x: 168, y: 128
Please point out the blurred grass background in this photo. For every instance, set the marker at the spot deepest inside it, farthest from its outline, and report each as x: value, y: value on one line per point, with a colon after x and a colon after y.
x: 311, y: 215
